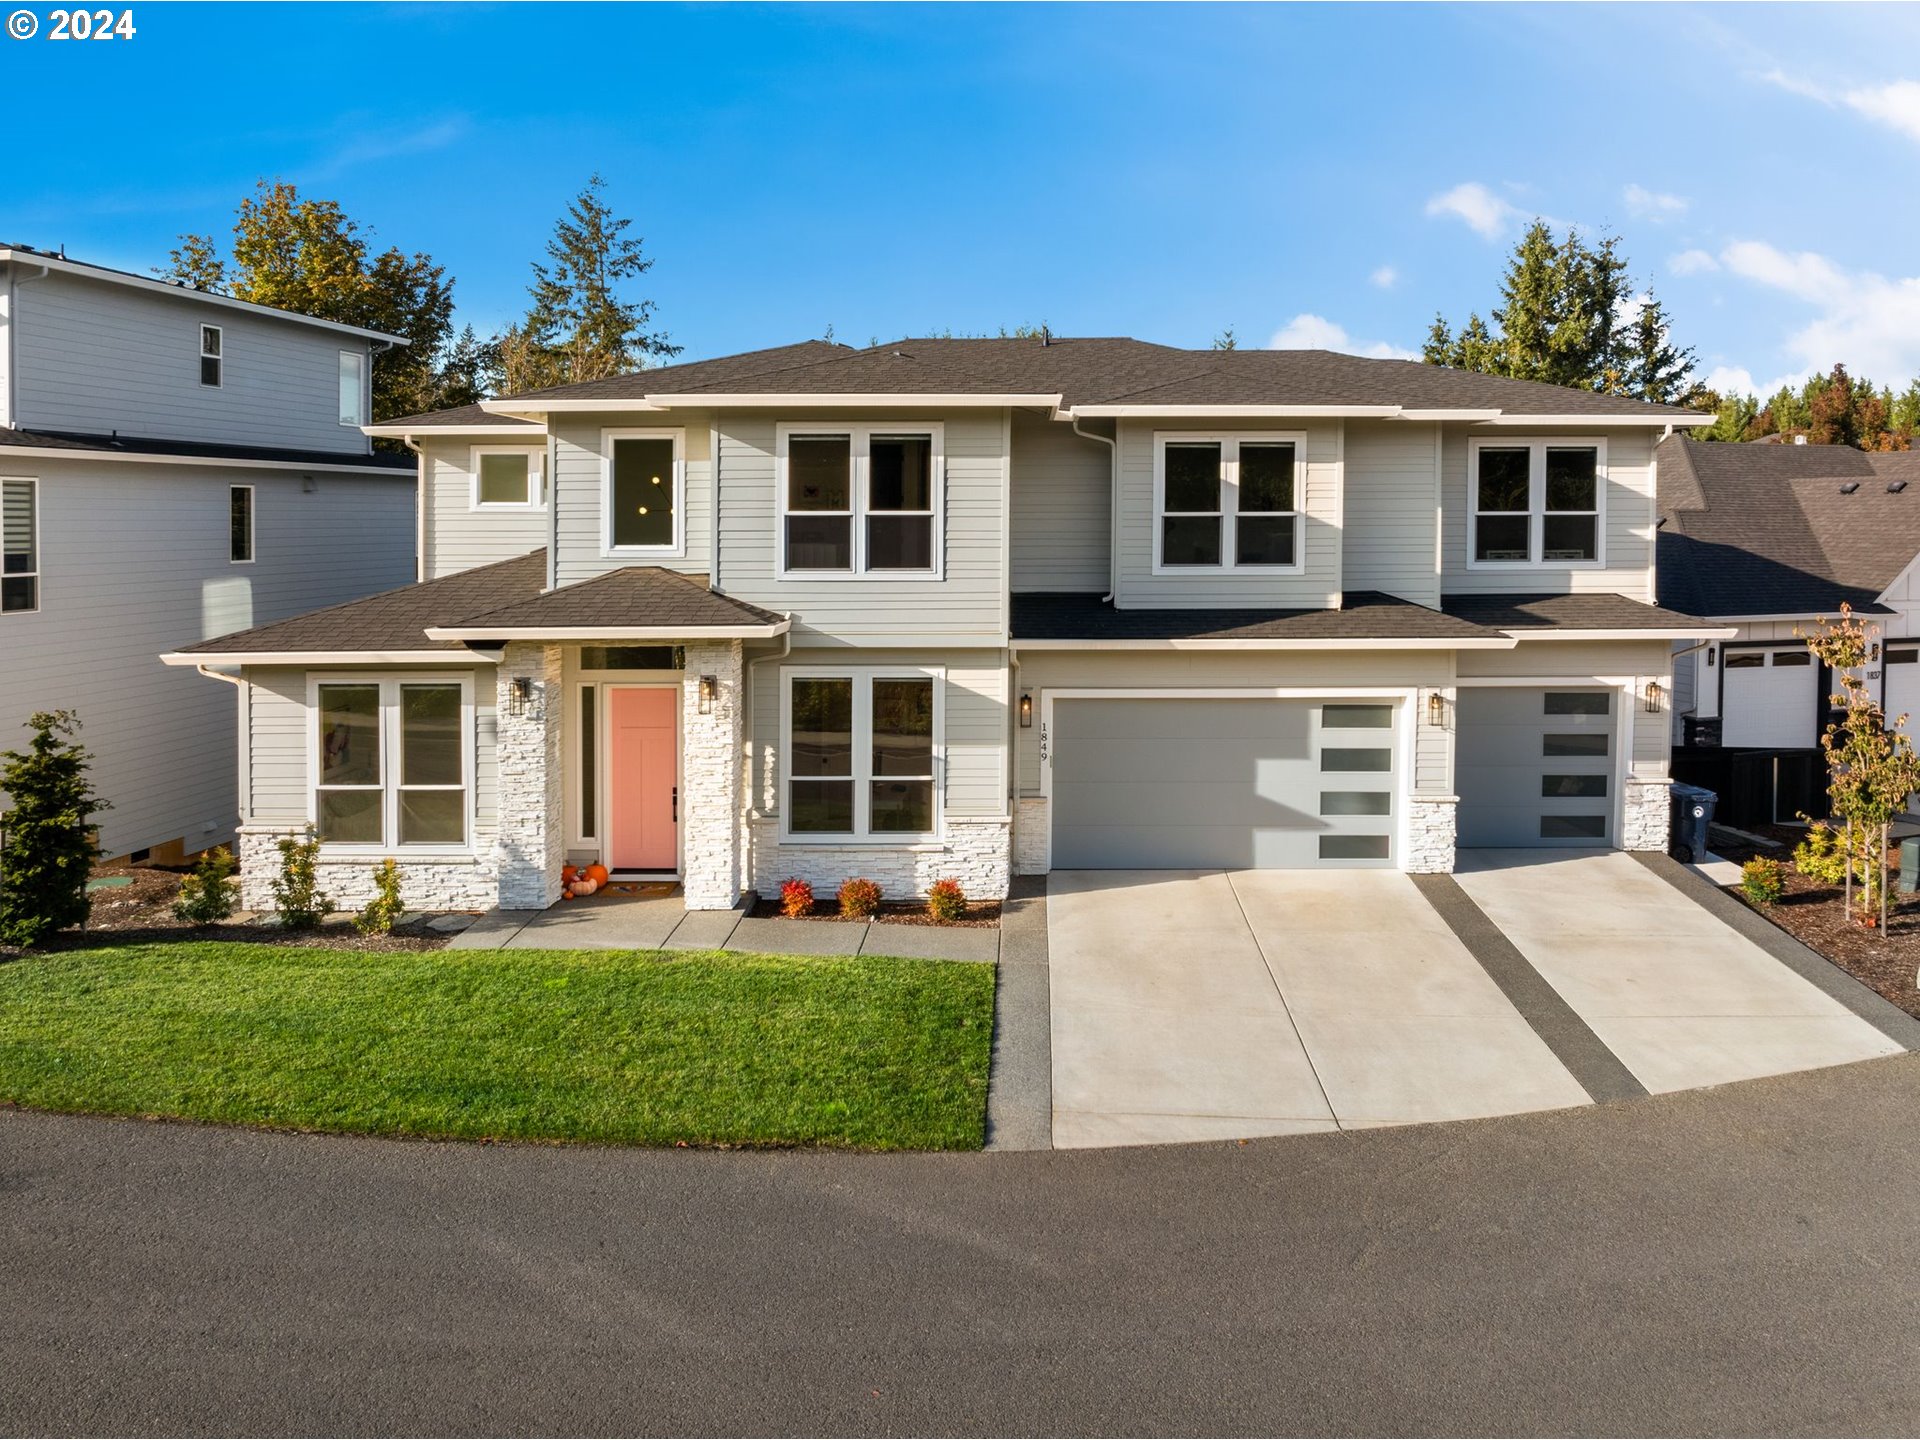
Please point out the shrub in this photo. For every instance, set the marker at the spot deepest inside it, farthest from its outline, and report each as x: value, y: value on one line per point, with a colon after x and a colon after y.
x: 208, y: 895
x: 379, y: 914
x: 46, y: 841
x: 796, y: 898
x: 1822, y: 855
x: 946, y: 900
x: 297, y: 896
x: 1762, y: 880
x: 859, y: 899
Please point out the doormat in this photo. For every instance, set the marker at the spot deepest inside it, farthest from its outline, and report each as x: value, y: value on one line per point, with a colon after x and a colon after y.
x: 647, y: 888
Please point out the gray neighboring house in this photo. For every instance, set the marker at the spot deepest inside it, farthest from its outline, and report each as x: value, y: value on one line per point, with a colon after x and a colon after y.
x: 173, y: 465
x: 974, y: 608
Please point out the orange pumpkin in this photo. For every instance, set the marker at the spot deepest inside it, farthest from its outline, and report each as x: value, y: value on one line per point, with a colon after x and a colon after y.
x: 566, y: 894
x: 567, y: 872
x: 597, y: 874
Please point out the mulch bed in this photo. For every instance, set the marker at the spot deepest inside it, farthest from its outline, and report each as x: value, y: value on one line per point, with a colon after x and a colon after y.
x: 1814, y: 914
x: 141, y: 912
x: 980, y: 915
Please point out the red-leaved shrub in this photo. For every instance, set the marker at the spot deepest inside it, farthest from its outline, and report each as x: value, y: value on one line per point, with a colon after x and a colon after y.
x: 859, y: 899
x: 796, y: 898
x: 946, y: 900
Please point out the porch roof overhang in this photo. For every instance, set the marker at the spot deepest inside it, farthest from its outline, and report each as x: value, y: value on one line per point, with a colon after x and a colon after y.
x: 635, y: 603
x: 483, y: 635
x: 1598, y: 615
x: 1365, y: 620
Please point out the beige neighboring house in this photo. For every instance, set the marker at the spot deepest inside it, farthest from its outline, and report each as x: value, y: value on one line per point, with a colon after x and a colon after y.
x: 173, y: 465
x: 978, y: 608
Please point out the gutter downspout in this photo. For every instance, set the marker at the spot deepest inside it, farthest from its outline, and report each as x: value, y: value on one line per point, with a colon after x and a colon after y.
x: 746, y: 718
x: 1113, y: 504
x: 713, y: 511
x: 419, y: 510
x: 553, y: 508
x: 1013, y: 735
x: 243, y: 788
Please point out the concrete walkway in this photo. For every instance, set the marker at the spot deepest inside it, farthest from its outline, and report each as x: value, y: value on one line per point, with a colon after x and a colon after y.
x: 663, y: 922
x: 1682, y: 998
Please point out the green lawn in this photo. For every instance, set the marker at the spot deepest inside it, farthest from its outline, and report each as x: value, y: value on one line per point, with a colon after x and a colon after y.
x: 629, y: 1048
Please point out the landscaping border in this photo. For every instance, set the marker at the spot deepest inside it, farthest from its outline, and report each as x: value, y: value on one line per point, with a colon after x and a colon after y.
x: 1020, y: 1074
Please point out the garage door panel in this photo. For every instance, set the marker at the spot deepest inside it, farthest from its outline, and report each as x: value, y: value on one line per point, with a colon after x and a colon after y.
x: 1534, y: 767
x: 1769, y: 698
x: 1187, y: 783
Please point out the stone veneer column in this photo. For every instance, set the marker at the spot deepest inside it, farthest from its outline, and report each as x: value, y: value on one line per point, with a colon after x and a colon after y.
x: 1644, y: 816
x: 1432, y: 834
x: 712, y: 777
x: 531, y: 845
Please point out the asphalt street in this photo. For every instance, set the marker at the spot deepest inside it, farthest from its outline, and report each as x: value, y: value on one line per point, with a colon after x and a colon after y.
x: 1732, y: 1260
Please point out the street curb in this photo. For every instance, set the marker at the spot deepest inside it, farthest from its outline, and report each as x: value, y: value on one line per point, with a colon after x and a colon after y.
x: 1020, y: 1080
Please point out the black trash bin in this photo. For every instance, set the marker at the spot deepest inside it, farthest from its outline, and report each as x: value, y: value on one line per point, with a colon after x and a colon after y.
x: 1690, y: 813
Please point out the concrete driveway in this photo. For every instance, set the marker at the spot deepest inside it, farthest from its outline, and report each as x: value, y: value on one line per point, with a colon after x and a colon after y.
x: 1203, y: 1005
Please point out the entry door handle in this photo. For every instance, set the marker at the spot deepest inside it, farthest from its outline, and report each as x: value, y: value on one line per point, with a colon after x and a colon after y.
x: 676, y: 804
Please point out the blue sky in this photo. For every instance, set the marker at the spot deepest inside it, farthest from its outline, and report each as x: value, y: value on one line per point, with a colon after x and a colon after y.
x: 1306, y: 175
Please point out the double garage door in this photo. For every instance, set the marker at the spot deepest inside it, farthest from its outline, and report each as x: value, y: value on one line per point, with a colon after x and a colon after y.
x: 1230, y: 784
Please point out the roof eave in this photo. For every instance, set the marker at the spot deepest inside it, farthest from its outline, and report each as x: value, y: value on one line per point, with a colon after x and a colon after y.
x: 531, y: 407
x: 1491, y: 642
x: 427, y: 432
x: 1703, y: 631
x: 81, y: 452
x: 317, y: 657
x: 469, y: 634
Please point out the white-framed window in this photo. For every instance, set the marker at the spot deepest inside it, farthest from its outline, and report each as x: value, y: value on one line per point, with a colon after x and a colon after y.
x: 862, y: 753
x: 240, y: 524
x: 1228, y: 502
x: 391, y: 762
x: 19, y: 546
x: 1536, y: 502
x: 353, y: 388
x: 212, y: 356
x: 859, y: 500
x: 643, y: 483
x: 505, y: 478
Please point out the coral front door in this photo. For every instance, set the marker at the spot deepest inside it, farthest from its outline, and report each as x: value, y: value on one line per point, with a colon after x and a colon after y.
x: 642, y: 803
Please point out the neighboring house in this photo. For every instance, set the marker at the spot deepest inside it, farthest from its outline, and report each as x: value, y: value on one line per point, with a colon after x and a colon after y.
x: 972, y: 608
x: 173, y: 465
x: 1770, y: 539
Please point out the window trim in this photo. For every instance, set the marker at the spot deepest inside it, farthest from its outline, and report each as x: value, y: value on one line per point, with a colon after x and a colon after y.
x: 863, y: 677
x: 363, y: 402
x: 37, y: 574
x: 1230, y: 442
x: 253, y: 532
x: 1537, y: 447
x: 388, y: 684
x: 536, y: 479
x: 678, y: 435
x: 219, y: 356
x: 860, y: 436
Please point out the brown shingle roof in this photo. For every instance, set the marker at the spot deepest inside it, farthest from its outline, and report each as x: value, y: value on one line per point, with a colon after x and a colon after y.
x: 378, y: 462
x: 1364, y: 615
x: 642, y: 595
x: 1516, y: 613
x: 459, y: 416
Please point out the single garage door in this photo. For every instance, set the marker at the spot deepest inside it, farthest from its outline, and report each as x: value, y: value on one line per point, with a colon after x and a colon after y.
x: 1535, y: 767
x: 1769, y: 699
x: 1213, y: 784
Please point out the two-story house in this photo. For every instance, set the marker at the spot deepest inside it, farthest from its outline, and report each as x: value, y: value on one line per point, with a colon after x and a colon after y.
x: 173, y: 465
x: 972, y: 608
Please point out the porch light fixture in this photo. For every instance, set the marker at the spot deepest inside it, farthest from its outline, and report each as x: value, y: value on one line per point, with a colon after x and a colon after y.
x: 1436, y: 708
x: 1026, y: 709
x: 1654, y: 693
x: 709, y: 687
x: 520, y: 695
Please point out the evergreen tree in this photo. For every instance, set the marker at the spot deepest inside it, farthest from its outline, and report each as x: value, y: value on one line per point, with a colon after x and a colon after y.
x: 470, y: 371
x: 46, y: 839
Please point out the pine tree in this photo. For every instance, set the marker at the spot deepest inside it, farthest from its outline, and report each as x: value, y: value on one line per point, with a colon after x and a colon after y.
x: 46, y: 840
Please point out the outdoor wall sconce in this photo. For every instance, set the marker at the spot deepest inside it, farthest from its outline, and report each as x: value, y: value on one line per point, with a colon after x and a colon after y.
x: 1026, y: 709
x: 520, y: 695
x: 1654, y: 693
x: 1712, y: 653
x: 1436, y: 708
x: 709, y: 687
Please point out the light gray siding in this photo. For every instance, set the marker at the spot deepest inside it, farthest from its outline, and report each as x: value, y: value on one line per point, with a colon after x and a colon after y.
x: 459, y: 536
x: 1062, y: 503
x: 580, y: 520
x: 1319, y: 487
x: 1629, y: 518
x: 1390, y: 536
x: 94, y: 357
x: 1632, y: 661
x: 135, y: 563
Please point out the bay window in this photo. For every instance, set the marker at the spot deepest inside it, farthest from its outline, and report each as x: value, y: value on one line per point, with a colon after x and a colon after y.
x: 859, y: 499
x: 391, y: 768
x: 861, y: 752
x: 1227, y: 502
x: 1535, y: 502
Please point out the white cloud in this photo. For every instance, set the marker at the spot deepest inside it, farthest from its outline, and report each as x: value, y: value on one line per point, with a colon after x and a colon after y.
x: 1738, y: 380
x: 1693, y: 262
x: 1652, y: 205
x: 1794, y: 85
x: 1385, y: 278
x: 1896, y: 105
x: 1484, y: 212
x: 1316, y: 332
x: 1807, y: 276
x: 1865, y: 320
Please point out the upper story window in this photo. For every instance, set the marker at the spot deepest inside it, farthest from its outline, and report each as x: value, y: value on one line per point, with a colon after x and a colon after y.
x: 862, y: 753
x: 643, y: 491
x: 240, y: 524
x: 211, y: 357
x: 1536, y: 502
x: 1227, y: 502
x: 19, y: 545
x: 507, y: 479
x: 353, y: 388
x: 859, y: 499
x: 390, y: 764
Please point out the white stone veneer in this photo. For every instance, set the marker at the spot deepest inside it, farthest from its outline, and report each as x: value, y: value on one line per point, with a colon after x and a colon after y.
x: 531, y: 845
x: 1644, y: 819
x: 1432, y: 834
x: 348, y: 884
x: 712, y: 777
x: 974, y: 852
x: 1030, y: 837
